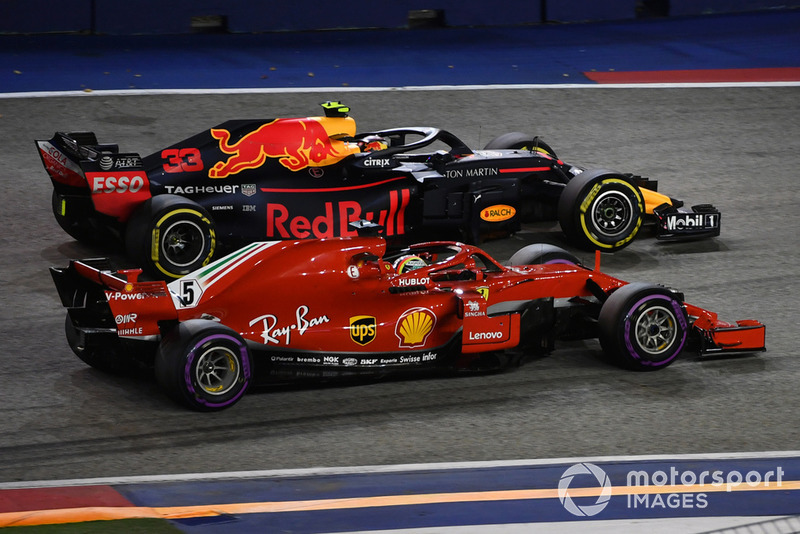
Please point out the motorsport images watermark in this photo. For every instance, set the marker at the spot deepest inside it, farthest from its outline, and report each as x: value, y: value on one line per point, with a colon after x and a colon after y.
x: 687, y: 487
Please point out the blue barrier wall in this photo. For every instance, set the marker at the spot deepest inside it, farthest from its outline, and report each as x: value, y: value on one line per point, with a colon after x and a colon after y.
x: 704, y: 7
x: 176, y: 16
x: 583, y: 10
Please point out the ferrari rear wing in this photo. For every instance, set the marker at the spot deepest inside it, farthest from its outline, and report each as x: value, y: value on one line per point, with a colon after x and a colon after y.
x: 98, y: 297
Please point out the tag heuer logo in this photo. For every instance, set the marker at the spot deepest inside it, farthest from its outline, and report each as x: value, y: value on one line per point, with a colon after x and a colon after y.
x: 362, y: 329
x: 248, y: 190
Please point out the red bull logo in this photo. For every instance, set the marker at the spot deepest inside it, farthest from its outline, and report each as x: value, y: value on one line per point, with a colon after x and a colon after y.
x: 296, y: 143
x: 335, y: 217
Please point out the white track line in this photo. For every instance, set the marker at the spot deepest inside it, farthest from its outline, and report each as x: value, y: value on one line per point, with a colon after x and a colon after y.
x: 376, y: 469
x: 245, y: 90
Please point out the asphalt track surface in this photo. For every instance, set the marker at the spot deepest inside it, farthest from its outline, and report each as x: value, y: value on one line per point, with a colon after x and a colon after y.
x: 734, y: 147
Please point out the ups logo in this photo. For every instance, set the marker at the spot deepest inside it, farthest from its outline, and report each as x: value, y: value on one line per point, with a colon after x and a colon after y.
x: 362, y: 329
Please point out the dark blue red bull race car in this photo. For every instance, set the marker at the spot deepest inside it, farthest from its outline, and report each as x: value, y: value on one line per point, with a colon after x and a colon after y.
x: 254, y: 180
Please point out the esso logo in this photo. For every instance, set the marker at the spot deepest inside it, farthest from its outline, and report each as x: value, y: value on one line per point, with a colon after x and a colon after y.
x: 117, y: 184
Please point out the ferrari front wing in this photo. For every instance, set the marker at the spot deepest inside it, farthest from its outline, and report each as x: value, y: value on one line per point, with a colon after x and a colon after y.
x: 718, y: 336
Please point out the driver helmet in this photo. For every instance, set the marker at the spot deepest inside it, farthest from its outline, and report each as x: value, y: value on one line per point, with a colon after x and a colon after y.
x: 406, y: 264
x: 372, y: 143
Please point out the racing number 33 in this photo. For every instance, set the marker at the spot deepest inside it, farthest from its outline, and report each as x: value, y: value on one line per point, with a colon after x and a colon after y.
x: 182, y: 160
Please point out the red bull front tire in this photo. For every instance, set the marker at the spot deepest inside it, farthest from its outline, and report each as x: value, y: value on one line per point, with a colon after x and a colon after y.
x: 601, y: 210
x: 170, y: 236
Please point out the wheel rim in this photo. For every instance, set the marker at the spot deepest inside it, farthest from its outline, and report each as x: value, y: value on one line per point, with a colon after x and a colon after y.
x: 217, y: 371
x: 611, y: 213
x: 656, y: 330
x: 183, y: 243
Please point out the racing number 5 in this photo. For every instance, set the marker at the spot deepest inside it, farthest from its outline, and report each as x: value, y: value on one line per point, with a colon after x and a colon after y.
x: 190, y: 292
x: 182, y: 160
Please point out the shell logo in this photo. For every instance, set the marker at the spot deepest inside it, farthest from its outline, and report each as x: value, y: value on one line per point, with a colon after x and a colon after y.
x: 414, y: 326
x: 498, y: 213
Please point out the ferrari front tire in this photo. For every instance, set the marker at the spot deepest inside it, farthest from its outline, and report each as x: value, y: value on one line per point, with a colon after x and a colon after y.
x: 170, y: 236
x: 203, y: 365
x: 643, y: 327
x: 601, y: 210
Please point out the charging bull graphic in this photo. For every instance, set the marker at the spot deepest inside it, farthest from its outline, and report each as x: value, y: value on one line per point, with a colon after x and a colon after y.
x: 297, y: 143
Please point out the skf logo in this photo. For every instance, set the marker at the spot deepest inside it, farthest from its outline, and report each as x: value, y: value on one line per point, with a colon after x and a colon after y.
x: 363, y: 329
x: 498, y: 213
x: 414, y: 326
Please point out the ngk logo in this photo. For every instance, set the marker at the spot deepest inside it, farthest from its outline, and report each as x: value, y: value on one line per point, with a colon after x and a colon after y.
x: 117, y: 184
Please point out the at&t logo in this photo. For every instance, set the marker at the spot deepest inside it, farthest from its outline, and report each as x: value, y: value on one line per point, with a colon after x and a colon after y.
x: 601, y: 479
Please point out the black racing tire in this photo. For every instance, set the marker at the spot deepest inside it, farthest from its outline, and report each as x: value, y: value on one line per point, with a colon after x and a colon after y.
x: 601, y: 210
x: 541, y: 254
x: 203, y: 365
x: 643, y: 327
x: 82, y: 229
x: 107, y: 360
x: 170, y: 236
x: 519, y: 141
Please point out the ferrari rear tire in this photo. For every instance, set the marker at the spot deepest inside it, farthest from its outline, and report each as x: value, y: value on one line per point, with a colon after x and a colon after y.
x: 601, y: 210
x: 170, y: 236
x: 203, y: 365
x: 541, y: 254
x: 520, y: 141
x: 643, y: 327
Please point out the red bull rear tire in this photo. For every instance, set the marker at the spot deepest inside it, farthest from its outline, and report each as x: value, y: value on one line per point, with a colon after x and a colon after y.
x: 170, y: 236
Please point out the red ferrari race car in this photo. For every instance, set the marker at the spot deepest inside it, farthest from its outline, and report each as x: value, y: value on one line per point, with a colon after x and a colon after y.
x: 254, y: 180
x: 319, y: 309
